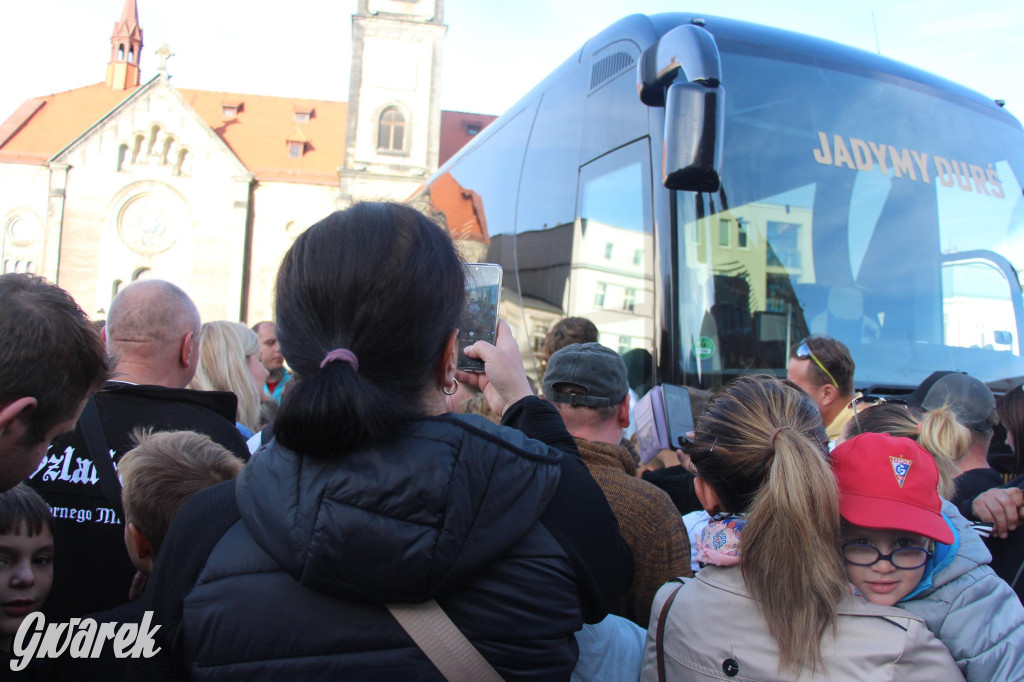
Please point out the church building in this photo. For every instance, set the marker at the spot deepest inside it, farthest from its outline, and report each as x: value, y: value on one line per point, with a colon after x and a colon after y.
x: 125, y: 179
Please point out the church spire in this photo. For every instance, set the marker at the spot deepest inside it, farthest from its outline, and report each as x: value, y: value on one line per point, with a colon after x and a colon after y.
x: 125, y: 49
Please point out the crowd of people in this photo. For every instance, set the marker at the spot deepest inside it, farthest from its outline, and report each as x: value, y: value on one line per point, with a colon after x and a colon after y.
x: 326, y: 496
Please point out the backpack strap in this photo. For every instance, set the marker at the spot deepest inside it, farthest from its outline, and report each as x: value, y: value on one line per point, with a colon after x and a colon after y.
x: 659, y: 635
x: 196, y: 529
x: 443, y: 643
x: 96, y: 443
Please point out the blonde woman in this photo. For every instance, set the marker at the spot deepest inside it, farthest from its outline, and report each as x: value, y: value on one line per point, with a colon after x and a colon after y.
x: 227, y: 351
x: 773, y: 599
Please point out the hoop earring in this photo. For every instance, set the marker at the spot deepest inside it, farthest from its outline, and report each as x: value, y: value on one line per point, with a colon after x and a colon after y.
x: 454, y: 387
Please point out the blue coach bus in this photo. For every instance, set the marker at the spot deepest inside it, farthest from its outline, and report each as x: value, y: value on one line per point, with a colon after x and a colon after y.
x: 710, y: 191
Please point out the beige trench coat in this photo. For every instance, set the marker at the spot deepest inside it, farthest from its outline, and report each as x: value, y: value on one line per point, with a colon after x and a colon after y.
x: 714, y: 632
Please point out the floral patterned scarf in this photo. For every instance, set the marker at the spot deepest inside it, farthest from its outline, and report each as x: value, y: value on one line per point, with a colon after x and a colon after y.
x: 720, y: 541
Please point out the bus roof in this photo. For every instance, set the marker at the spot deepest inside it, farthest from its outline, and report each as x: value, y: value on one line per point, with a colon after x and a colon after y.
x: 810, y: 47
x: 645, y: 30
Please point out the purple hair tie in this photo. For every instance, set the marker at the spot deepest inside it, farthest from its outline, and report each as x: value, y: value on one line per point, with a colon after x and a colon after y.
x: 341, y: 355
x: 771, y: 441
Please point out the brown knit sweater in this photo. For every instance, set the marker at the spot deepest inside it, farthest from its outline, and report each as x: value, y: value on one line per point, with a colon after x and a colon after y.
x: 649, y: 523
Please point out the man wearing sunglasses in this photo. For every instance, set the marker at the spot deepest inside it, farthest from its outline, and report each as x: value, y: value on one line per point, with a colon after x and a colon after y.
x: 822, y: 366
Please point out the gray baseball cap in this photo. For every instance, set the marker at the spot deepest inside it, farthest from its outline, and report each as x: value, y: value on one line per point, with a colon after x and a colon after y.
x: 598, y: 370
x: 970, y: 399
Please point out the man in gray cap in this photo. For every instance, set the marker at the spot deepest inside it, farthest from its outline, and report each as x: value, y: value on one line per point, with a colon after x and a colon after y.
x: 975, y: 407
x: 587, y: 384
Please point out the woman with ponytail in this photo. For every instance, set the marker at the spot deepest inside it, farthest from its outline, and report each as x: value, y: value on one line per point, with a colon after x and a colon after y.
x: 372, y: 495
x: 772, y: 601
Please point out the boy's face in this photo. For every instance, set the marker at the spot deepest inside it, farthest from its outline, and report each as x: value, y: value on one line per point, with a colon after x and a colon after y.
x: 26, y: 573
x: 883, y: 583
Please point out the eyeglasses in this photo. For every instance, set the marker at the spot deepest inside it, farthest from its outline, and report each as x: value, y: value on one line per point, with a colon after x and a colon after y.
x: 871, y: 400
x: 803, y: 352
x: 859, y: 554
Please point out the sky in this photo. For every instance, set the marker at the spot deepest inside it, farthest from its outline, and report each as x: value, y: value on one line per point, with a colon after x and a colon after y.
x: 495, y: 50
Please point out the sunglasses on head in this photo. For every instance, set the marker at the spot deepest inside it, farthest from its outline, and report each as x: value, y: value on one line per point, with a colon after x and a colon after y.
x: 803, y: 352
x: 865, y: 400
x: 875, y: 400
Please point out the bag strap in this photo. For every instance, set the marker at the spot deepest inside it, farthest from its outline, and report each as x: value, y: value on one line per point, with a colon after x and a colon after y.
x: 96, y: 443
x: 443, y: 643
x: 659, y: 635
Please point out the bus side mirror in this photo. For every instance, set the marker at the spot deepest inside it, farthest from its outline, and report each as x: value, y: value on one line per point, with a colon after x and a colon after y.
x: 682, y: 72
x: 692, y: 153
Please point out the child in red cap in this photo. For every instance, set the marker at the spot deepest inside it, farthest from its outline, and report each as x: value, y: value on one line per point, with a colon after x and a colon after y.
x: 902, y: 548
x: 892, y: 512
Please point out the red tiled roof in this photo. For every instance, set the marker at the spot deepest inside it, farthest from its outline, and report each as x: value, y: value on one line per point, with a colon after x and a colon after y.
x: 61, y: 119
x: 259, y: 134
x: 463, y: 209
x: 454, y: 131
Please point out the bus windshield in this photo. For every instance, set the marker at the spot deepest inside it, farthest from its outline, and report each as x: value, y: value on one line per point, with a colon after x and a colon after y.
x: 879, y: 211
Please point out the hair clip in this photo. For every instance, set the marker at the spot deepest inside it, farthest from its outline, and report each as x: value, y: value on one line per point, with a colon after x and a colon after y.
x: 713, y: 445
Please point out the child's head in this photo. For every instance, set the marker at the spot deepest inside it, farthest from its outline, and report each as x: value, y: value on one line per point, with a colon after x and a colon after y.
x: 158, y: 476
x: 889, y: 501
x: 26, y: 557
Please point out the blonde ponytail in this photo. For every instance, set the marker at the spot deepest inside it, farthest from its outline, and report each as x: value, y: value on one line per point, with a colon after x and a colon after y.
x: 780, y: 477
x: 947, y: 440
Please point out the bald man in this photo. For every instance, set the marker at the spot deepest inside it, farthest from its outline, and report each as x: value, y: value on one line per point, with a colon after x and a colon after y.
x: 152, y: 335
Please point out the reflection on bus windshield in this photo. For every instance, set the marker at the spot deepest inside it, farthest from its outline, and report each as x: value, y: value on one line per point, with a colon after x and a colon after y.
x: 898, y: 233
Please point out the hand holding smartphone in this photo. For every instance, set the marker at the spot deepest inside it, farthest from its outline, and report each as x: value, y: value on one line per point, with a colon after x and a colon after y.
x: 479, y: 319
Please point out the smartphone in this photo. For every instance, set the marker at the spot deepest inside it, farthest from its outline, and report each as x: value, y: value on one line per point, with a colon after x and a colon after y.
x: 678, y: 414
x: 663, y: 418
x: 479, y: 319
x: 651, y: 426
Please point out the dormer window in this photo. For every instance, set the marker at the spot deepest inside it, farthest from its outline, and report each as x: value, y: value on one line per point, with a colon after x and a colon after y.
x: 473, y: 128
x: 229, y: 110
x: 303, y: 113
x: 296, y: 144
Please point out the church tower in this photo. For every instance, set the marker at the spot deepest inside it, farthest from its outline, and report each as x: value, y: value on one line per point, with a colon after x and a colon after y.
x: 125, y: 49
x: 392, y: 134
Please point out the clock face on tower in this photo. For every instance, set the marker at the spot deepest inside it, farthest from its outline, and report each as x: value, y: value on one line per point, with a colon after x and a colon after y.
x: 152, y: 222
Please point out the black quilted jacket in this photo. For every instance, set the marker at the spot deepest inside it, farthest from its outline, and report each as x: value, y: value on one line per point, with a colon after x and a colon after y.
x: 511, y: 536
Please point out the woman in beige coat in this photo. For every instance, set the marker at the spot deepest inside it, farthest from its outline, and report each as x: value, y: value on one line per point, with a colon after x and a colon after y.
x: 773, y: 601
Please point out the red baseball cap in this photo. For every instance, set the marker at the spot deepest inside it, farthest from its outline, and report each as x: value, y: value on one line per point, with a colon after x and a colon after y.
x: 887, y: 482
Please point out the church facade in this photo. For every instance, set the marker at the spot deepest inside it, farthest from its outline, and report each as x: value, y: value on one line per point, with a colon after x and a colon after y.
x: 123, y: 180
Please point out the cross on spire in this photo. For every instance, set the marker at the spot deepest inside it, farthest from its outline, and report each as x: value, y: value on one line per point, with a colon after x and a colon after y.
x: 164, y: 53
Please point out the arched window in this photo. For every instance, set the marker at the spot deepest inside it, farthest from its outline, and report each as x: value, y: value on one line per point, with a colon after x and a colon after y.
x: 122, y: 158
x: 142, y: 274
x: 181, y: 166
x: 391, y: 131
x: 154, y: 133
x: 30, y: 267
x: 137, y: 151
x: 131, y: 54
x: 165, y: 157
x: 115, y: 288
x: 120, y: 53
